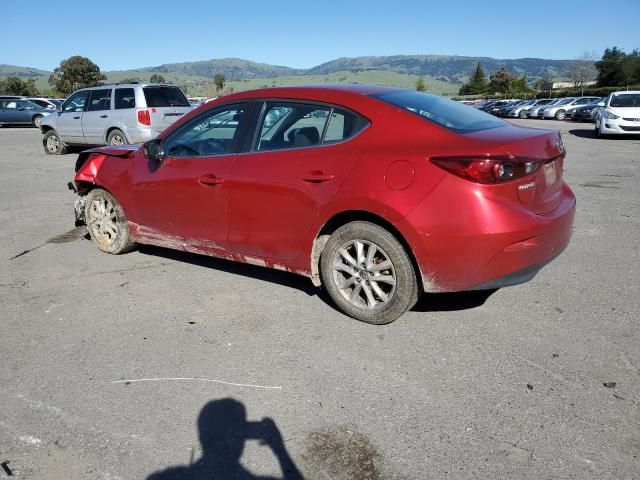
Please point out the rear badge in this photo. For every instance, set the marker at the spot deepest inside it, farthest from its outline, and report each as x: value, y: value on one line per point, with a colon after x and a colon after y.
x: 526, y: 186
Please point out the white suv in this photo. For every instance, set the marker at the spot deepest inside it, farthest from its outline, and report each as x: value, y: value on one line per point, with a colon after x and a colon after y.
x: 113, y: 115
x: 620, y: 114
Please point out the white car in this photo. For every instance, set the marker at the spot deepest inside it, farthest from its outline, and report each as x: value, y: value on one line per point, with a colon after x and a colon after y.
x: 620, y: 114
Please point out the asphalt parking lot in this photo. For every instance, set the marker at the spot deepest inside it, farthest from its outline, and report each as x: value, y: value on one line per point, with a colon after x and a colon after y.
x: 107, y: 363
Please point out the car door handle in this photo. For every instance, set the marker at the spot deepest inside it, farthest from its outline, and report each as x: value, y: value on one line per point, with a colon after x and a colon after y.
x: 104, y: 116
x: 210, y: 180
x: 76, y: 118
x: 317, y: 177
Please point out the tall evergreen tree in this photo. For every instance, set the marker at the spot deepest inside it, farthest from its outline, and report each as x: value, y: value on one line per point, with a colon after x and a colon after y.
x: 420, y: 86
x: 477, y: 84
x: 610, y: 69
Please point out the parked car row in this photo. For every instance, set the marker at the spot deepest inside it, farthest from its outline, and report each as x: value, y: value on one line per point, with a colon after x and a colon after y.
x: 617, y: 114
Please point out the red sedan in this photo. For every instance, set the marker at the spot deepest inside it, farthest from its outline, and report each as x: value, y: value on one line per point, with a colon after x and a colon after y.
x: 378, y: 194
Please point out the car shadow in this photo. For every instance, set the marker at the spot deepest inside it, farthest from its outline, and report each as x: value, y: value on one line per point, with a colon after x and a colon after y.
x: 453, y: 301
x: 591, y: 133
x: 583, y: 132
x: 279, y: 277
x: 223, y: 430
x: 428, y: 302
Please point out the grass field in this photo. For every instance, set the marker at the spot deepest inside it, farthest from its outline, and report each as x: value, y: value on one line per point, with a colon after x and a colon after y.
x: 202, y: 86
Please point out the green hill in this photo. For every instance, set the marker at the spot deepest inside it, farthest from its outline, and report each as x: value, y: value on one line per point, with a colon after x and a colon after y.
x: 443, y: 74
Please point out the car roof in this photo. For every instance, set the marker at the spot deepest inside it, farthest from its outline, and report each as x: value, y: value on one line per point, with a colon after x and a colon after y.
x: 303, y: 91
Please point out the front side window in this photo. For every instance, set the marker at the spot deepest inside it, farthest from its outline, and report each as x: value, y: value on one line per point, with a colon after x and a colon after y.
x: 99, y: 100
x: 165, y: 96
x: 76, y: 102
x: 28, y: 105
x: 213, y: 133
x: 442, y: 111
x: 124, y: 98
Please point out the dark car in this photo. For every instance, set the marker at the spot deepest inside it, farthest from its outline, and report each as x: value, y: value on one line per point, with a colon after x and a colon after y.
x: 17, y: 111
x: 588, y: 112
x: 384, y: 195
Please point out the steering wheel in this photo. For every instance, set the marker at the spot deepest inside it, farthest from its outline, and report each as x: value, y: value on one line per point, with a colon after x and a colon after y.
x: 211, y: 146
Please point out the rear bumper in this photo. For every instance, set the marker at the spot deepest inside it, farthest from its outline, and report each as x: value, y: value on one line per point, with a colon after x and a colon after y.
x: 140, y: 135
x: 484, y: 242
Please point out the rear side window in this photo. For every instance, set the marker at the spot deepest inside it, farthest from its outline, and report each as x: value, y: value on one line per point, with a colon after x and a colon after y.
x: 125, y: 98
x: 297, y: 125
x: 343, y: 125
x: 442, y: 111
x: 99, y: 100
x: 165, y: 97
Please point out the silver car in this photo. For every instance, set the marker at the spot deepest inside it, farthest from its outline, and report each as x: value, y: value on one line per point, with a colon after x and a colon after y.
x: 562, y: 109
x: 521, y: 111
x: 535, y: 112
x: 113, y: 115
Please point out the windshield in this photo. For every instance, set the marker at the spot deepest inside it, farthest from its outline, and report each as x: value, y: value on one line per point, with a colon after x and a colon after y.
x: 565, y: 101
x: 165, y: 97
x: 625, y: 100
x: 545, y: 102
x: 447, y: 113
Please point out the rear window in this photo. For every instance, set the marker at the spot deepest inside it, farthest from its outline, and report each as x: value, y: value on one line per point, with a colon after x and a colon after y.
x: 165, y: 97
x: 442, y: 111
x: 625, y: 100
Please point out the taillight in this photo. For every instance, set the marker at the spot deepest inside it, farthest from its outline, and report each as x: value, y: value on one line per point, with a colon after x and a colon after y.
x: 143, y: 117
x: 489, y: 170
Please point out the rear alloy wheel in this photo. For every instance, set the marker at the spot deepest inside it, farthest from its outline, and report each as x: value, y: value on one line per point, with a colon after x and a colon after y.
x: 560, y: 114
x: 368, y: 274
x: 116, y: 137
x: 52, y: 144
x: 107, y: 223
x: 36, y: 121
x: 522, y: 114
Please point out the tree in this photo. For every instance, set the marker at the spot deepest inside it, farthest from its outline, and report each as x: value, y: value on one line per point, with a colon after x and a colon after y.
x: 157, y: 78
x: 501, y: 80
x: 477, y: 84
x: 17, y: 86
x: 74, y: 73
x: 218, y: 80
x: 420, y: 87
x: 631, y: 67
x: 130, y: 80
x: 610, y: 72
x: 582, y: 69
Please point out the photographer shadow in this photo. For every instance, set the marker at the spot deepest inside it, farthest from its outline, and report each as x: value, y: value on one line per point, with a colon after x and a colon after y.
x: 223, y: 430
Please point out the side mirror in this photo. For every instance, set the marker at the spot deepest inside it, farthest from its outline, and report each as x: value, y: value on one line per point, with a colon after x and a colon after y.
x: 154, y: 150
x: 59, y: 109
x: 20, y: 109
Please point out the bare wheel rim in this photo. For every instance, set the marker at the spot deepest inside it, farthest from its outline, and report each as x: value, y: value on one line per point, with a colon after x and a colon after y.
x: 364, y: 274
x: 102, y: 221
x: 53, y: 143
x: 117, y: 140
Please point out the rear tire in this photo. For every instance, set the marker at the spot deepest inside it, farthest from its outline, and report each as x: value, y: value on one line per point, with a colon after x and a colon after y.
x: 522, y: 114
x: 36, y: 120
x: 52, y: 144
x: 107, y: 223
x: 368, y: 274
x: 116, y: 137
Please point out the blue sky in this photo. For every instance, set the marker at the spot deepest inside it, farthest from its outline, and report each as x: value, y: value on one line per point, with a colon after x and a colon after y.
x: 118, y: 34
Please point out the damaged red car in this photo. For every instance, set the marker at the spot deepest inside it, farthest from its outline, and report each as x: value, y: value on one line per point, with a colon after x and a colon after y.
x: 377, y: 194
